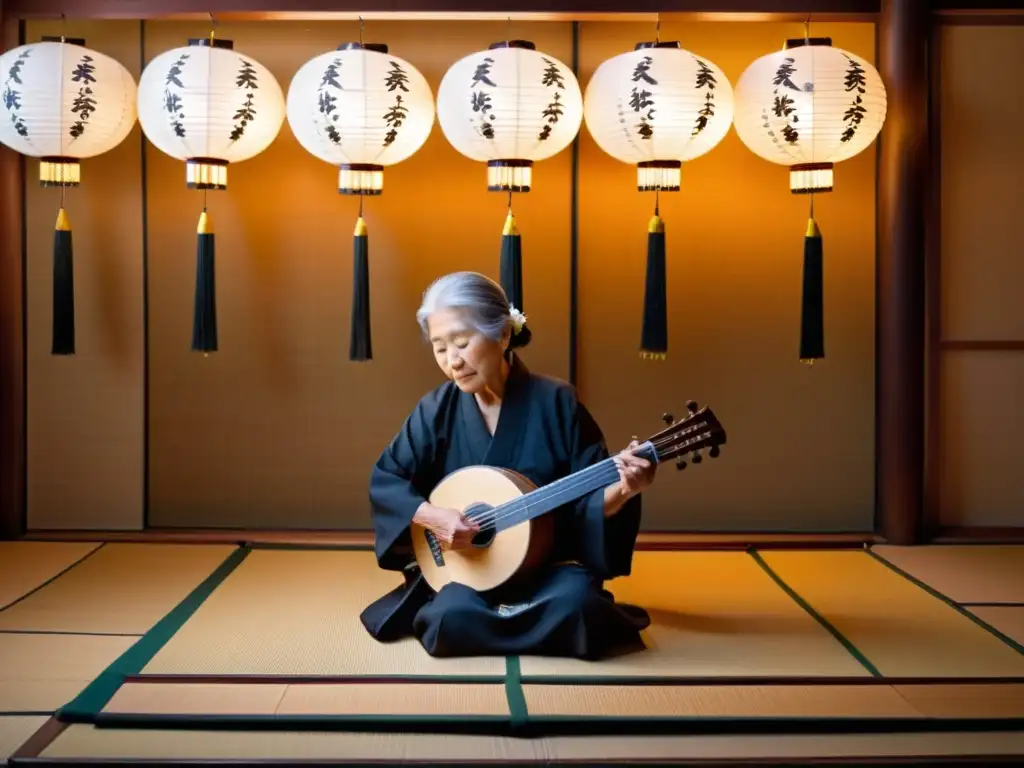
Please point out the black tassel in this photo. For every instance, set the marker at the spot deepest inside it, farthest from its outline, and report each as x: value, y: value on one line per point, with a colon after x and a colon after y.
x: 204, y: 322
x: 63, y: 342
x: 511, y: 272
x: 360, y: 346
x: 654, y: 337
x: 812, y: 314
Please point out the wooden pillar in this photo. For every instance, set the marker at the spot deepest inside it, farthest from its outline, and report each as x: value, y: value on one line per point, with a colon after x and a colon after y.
x: 12, y: 338
x: 902, y: 202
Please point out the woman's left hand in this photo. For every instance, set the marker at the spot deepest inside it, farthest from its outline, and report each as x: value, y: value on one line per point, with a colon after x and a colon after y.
x: 635, y: 472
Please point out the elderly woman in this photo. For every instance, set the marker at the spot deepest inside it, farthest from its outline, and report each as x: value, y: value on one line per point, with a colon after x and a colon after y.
x: 493, y: 411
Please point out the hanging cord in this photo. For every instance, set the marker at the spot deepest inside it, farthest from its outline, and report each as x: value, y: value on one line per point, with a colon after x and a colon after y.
x: 657, y: 202
x: 361, y: 206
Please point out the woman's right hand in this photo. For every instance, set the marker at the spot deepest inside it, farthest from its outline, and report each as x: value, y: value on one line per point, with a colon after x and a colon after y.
x: 449, y: 525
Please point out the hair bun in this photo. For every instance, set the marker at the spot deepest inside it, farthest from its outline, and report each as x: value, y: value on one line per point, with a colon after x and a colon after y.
x: 520, y: 339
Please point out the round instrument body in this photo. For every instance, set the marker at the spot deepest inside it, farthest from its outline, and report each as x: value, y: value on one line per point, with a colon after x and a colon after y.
x: 512, y: 553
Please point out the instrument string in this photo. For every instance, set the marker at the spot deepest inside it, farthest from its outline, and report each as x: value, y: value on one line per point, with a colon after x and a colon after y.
x: 492, y: 517
x: 605, y: 471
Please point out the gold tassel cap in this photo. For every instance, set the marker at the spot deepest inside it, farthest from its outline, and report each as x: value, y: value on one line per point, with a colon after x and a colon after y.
x: 510, y: 225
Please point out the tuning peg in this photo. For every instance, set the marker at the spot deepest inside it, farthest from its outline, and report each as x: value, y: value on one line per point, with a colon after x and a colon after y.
x: 691, y: 406
x: 696, y: 458
x: 714, y: 452
x: 667, y: 418
x: 680, y: 464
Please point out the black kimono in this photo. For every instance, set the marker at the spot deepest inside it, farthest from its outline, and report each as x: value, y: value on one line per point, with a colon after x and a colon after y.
x: 544, y: 433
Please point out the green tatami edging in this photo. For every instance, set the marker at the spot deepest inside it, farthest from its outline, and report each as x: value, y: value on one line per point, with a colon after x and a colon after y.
x: 91, y: 701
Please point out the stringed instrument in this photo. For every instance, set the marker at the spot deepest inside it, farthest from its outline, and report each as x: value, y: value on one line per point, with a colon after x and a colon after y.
x: 516, y: 533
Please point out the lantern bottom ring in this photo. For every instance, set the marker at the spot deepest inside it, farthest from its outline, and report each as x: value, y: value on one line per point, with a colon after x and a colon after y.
x: 509, y: 175
x: 659, y: 176
x: 206, y: 173
x: 808, y: 178
x: 360, y: 179
x: 59, y: 171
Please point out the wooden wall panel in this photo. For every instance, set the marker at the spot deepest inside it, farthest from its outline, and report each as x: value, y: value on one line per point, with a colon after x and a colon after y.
x: 982, y: 232
x: 85, y: 412
x: 981, y: 241
x: 801, y: 441
x: 982, y: 453
x: 278, y: 428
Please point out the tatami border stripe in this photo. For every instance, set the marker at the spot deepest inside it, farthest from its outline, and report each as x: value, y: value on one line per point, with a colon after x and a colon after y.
x: 948, y: 601
x: 312, y: 546
x: 53, y: 578
x: 560, y: 725
x: 850, y: 647
x: 67, y: 632
x: 184, y: 678
x: 84, y: 707
x: 27, y: 713
x: 518, y: 713
x: 773, y: 680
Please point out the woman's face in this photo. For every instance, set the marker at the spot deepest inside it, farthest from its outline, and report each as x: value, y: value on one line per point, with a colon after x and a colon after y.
x: 466, y: 356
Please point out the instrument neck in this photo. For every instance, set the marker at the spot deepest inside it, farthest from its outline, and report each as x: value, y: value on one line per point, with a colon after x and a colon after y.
x: 563, y: 491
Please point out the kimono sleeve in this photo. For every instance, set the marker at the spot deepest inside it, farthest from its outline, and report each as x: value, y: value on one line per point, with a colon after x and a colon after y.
x: 605, y: 544
x: 400, y: 481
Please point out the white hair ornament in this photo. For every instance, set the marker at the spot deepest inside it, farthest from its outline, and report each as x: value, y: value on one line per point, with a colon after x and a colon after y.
x: 518, y: 320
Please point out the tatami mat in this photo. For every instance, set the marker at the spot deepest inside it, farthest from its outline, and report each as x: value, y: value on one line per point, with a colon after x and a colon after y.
x: 713, y: 614
x: 83, y: 741
x: 44, y: 672
x: 290, y: 612
x: 1009, y: 621
x: 15, y: 731
x: 123, y: 588
x: 313, y: 699
x: 964, y: 573
x: 901, y: 629
x: 962, y: 701
x: 665, y: 701
x: 26, y: 565
x: 447, y: 700
x: 758, y: 748
x: 197, y: 699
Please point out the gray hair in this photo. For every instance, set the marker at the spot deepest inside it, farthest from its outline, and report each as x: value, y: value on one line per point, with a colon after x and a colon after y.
x: 484, y: 300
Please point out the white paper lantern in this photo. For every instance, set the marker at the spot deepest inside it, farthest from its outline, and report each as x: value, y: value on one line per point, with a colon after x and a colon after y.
x: 509, y: 106
x: 209, y: 105
x: 809, y: 106
x: 62, y: 103
x: 657, y: 107
x: 361, y: 109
